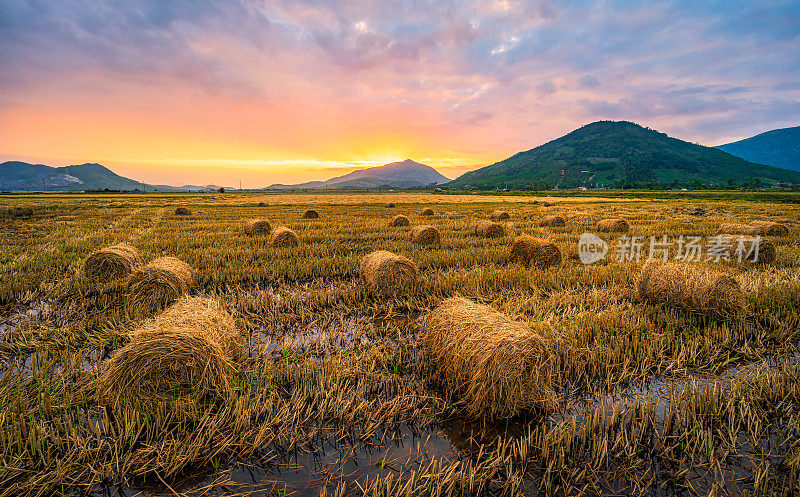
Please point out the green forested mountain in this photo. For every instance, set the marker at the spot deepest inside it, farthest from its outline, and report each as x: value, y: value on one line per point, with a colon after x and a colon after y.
x: 619, y: 154
x: 779, y: 148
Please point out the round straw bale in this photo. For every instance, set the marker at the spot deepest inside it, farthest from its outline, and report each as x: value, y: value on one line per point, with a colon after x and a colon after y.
x: 160, y: 282
x: 690, y: 288
x: 111, y: 263
x: 185, y: 352
x: 425, y: 234
x: 182, y: 211
x: 769, y: 228
x: 427, y: 211
x: 399, y: 220
x: 384, y: 271
x: 284, y: 237
x: 748, y: 249
x: 310, y: 214
x: 390, y: 205
x: 501, y: 367
x: 552, y: 221
x: 613, y: 226
x: 499, y: 215
x: 262, y: 204
x: 535, y: 252
x: 489, y: 229
x: 258, y: 227
x: 737, y: 229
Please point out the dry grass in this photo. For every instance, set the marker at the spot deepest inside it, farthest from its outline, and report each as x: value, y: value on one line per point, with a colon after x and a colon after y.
x: 183, y: 211
x: 283, y: 237
x: 554, y: 221
x: 310, y: 214
x: 385, y: 272
x: 399, y: 220
x: 690, y: 288
x: 489, y: 229
x: 499, y: 215
x: 536, y: 252
x: 501, y: 366
x: 613, y: 226
x: 425, y: 235
x: 111, y: 263
x: 258, y: 227
x: 427, y: 211
x: 160, y: 282
x: 186, y: 352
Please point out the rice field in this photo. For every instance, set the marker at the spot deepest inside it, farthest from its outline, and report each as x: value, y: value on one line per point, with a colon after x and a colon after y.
x: 332, y: 390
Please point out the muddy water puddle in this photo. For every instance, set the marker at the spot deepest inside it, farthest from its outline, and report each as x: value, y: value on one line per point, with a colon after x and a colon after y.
x: 304, y: 473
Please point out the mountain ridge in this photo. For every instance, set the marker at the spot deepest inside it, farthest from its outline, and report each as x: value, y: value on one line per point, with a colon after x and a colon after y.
x: 777, y: 148
x: 24, y: 176
x: 616, y: 154
x: 401, y: 174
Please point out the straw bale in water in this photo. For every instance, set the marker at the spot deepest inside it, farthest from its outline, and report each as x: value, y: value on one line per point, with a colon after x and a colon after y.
x: 501, y: 367
x: 690, y: 288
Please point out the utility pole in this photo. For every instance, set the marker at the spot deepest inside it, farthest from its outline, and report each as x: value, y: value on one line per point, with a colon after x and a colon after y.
x: 240, y: 185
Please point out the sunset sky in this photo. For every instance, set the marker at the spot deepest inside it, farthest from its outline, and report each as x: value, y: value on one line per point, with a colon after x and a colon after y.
x: 179, y: 92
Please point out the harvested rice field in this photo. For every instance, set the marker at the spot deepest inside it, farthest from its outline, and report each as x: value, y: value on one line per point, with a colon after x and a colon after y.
x: 204, y: 354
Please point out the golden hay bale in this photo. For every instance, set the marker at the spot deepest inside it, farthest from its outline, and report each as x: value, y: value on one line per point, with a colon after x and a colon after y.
x: 283, y: 237
x: 310, y: 214
x: 756, y: 228
x: 737, y: 229
x: 613, y: 226
x: 739, y: 245
x: 500, y: 366
x: 552, y: 221
x: 399, y: 220
x: 160, y: 282
x: 258, y: 227
x: 489, y: 229
x: 425, y: 234
x: 185, y: 352
x: 182, y: 211
x: 427, y: 211
x: 384, y: 271
x: 691, y: 288
x: 499, y: 215
x: 769, y: 228
x: 390, y: 205
x: 111, y: 263
x: 535, y: 252
x: 262, y: 204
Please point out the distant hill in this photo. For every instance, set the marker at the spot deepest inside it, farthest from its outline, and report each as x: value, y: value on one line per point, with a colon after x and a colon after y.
x: 618, y: 154
x: 23, y: 176
x: 405, y: 174
x: 15, y: 175
x: 779, y: 148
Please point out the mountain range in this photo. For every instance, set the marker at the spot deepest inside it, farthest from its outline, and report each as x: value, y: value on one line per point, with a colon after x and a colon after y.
x: 611, y: 154
x: 618, y: 154
x: 405, y: 174
x: 779, y: 148
x: 15, y: 175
